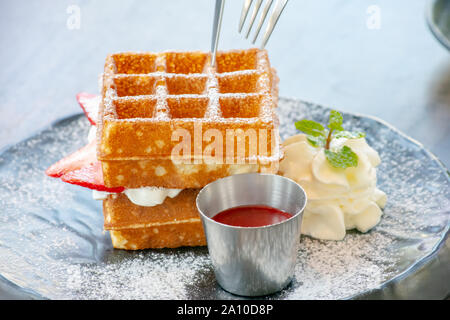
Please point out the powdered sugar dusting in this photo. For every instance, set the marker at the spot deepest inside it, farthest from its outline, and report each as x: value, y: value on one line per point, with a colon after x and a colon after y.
x: 157, y: 275
x: 52, y: 242
x: 338, y: 269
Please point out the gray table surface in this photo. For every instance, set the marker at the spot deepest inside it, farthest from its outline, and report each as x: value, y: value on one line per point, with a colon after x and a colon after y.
x: 327, y: 52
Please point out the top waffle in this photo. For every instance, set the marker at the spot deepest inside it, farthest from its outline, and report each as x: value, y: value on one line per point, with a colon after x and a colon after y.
x: 147, y: 96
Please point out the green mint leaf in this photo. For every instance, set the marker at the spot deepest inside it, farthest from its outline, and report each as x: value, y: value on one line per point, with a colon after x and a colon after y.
x: 344, y: 158
x: 349, y: 135
x: 310, y: 127
x: 317, y: 141
x: 335, y: 121
x: 319, y: 136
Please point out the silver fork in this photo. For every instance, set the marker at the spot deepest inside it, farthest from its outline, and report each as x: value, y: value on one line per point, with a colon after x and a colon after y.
x: 218, y: 13
x: 275, y: 15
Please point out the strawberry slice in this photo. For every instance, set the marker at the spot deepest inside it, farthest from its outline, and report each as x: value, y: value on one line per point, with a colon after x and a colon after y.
x: 82, y: 167
x: 89, y: 103
x: 77, y: 160
x: 90, y: 177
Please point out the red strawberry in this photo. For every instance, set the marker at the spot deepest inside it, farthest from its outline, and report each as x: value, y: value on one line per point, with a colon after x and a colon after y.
x: 82, y: 167
x: 90, y: 177
x: 77, y: 160
x: 89, y: 103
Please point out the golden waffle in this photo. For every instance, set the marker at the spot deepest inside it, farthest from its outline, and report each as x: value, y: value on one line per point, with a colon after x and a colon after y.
x: 168, y: 236
x: 173, y: 223
x: 148, y: 96
x: 165, y: 173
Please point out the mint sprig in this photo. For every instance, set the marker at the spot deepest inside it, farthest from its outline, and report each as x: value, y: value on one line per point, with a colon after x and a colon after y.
x: 349, y: 135
x: 318, y: 142
x: 335, y: 121
x: 319, y: 136
x: 344, y: 158
x: 310, y: 127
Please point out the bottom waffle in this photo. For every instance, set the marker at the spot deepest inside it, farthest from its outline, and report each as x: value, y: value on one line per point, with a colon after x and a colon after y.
x: 174, y: 223
x: 179, y: 234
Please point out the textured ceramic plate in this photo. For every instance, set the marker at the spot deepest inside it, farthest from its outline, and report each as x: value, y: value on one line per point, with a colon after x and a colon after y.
x: 438, y: 17
x: 52, y: 242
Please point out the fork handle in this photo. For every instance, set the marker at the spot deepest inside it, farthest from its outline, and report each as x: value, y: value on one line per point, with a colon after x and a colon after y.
x: 218, y: 13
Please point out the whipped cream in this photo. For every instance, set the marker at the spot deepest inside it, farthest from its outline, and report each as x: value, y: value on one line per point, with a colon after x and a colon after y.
x: 338, y: 199
x: 145, y: 196
x: 92, y: 134
x: 100, y: 195
x: 150, y: 196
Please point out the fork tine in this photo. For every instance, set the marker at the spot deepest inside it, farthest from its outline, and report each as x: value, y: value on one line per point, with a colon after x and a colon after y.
x: 273, y: 20
x: 254, y: 14
x: 261, y: 19
x: 244, y: 13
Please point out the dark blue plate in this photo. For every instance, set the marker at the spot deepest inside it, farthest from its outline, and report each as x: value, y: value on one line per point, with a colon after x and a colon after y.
x: 52, y: 243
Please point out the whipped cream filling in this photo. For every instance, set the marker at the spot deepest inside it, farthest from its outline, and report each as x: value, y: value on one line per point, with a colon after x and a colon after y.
x: 338, y: 199
x: 150, y: 196
x: 145, y: 196
x: 92, y: 134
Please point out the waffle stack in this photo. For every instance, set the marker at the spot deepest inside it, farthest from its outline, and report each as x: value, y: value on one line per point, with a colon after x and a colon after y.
x: 153, y: 103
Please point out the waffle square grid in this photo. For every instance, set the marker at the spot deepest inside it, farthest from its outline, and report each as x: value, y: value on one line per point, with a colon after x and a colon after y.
x: 146, y: 96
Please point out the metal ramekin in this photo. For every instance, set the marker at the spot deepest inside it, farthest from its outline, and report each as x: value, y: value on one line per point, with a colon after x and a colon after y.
x: 252, y: 261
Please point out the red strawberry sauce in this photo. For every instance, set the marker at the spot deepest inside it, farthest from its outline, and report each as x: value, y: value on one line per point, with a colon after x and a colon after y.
x: 251, y: 216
